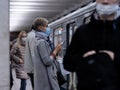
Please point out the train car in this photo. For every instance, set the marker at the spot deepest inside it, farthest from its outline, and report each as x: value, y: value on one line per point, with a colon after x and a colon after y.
x: 64, y: 28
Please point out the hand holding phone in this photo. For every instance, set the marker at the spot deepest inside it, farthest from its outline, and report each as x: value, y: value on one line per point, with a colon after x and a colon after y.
x: 62, y: 42
x: 58, y: 48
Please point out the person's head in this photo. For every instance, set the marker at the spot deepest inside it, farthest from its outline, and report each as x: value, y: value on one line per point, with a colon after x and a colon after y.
x: 22, y: 37
x: 107, y: 8
x: 40, y: 24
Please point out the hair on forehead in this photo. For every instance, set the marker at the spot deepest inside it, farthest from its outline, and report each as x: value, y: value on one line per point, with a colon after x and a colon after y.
x: 39, y: 21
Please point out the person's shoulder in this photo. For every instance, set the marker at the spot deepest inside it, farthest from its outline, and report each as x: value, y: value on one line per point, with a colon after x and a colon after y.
x: 40, y: 41
x: 31, y: 35
x: 15, y: 46
x: 83, y: 28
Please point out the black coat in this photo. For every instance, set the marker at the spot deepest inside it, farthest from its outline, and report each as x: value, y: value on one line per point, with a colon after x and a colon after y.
x: 96, y: 35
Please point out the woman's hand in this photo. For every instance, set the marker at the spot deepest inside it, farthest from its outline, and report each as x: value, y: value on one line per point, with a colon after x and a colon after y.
x: 57, y: 48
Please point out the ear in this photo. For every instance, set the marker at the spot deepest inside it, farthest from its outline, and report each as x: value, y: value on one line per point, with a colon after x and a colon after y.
x: 39, y: 27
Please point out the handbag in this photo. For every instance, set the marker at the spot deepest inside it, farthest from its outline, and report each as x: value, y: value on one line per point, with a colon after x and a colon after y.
x: 60, y: 77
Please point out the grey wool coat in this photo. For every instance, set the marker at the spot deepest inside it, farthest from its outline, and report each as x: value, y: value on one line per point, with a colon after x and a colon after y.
x: 29, y: 52
x: 45, y: 77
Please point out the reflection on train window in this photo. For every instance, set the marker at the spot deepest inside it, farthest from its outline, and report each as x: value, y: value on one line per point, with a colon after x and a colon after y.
x: 87, y: 17
x: 70, y: 33
x: 87, y: 20
x: 51, y: 37
x: 57, y: 35
x: 58, y: 39
x: 72, y: 29
x: 75, y: 27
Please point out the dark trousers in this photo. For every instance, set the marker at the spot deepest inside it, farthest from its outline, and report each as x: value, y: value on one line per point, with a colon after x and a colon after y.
x: 23, y: 84
x: 32, y: 79
x: 11, y: 78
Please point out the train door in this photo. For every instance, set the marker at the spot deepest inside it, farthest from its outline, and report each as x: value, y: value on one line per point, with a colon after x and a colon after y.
x: 72, y: 80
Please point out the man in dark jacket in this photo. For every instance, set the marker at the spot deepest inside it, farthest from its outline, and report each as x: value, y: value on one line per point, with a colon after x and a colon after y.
x: 94, y: 52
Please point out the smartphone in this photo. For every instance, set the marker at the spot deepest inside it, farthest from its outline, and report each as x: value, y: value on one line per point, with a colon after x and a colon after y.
x: 62, y: 42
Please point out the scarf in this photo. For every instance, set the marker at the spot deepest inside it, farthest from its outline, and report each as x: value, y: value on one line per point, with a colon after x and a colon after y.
x: 42, y: 35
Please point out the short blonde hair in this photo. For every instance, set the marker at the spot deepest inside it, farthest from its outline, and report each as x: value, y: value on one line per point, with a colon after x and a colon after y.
x: 39, y: 21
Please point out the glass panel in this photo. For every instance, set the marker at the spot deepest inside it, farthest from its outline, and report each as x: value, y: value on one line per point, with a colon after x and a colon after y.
x: 75, y: 27
x: 58, y: 39
x: 70, y: 34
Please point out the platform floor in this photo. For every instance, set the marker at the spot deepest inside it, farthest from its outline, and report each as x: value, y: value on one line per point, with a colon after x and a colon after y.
x: 16, y: 82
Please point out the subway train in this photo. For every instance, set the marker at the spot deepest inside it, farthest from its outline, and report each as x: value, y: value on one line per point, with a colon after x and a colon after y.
x: 64, y: 28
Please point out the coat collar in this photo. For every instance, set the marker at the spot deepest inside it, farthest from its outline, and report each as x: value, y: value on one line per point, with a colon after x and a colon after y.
x: 111, y: 25
x: 41, y: 35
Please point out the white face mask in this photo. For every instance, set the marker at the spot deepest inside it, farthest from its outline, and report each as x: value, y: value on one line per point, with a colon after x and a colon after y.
x: 24, y: 39
x: 107, y: 9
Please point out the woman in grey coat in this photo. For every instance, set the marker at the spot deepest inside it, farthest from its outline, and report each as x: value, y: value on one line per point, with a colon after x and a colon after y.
x: 45, y: 76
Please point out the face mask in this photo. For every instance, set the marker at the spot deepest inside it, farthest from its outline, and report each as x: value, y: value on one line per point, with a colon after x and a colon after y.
x: 107, y: 9
x: 24, y: 39
x: 47, y: 31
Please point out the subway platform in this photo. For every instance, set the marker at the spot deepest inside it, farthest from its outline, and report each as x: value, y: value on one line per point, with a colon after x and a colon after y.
x: 16, y: 82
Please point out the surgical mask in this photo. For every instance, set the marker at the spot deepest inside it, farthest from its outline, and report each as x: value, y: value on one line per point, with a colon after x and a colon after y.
x: 48, y: 31
x: 24, y: 39
x: 107, y: 9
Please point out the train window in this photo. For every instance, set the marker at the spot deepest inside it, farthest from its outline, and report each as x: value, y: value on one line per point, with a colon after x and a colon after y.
x: 58, y: 38
x: 57, y: 35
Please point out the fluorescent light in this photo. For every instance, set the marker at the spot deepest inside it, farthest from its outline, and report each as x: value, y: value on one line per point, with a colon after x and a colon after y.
x: 17, y: 16
x: 26, y: 3
x: 23, y: 10
x: 32, y: 0
x: 19, y: 7
x: 31, y: 10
